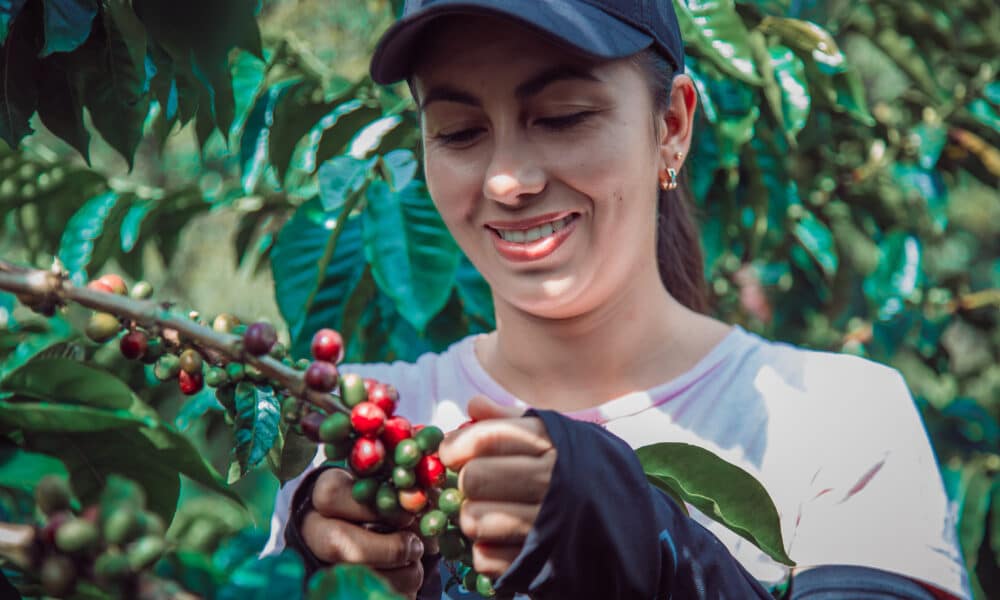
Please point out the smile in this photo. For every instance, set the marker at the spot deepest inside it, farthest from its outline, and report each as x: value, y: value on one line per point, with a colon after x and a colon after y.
x: 534, y: 234
x: 535, y: 242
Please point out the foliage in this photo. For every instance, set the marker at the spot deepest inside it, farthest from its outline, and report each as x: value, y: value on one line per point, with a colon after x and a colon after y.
x: 845, y: 174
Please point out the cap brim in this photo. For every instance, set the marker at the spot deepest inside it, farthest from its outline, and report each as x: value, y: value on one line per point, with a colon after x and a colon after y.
x: 585, y: 28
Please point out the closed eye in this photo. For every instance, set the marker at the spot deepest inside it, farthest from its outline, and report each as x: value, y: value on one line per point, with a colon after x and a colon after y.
x: 564, y: 121
x: 458, y: 137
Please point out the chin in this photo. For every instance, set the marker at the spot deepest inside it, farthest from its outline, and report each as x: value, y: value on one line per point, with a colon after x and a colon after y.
x: 549, y: 299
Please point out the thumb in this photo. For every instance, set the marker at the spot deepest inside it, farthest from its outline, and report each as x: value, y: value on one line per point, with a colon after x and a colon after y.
x: 482, y: 408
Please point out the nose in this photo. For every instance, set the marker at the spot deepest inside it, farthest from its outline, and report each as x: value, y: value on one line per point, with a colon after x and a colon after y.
x: 514, y: 174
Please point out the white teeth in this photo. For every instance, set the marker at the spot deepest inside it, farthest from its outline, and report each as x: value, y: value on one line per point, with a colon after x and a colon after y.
x: 526, y: 236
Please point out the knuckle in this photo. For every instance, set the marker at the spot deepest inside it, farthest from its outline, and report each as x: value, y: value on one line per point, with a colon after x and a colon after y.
x: 468, y: 520
x: 328, y: 491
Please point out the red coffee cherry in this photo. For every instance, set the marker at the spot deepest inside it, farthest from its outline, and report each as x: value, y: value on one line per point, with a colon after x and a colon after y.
x: 367, y: 456
x: 259, y: 338
x: 321, y: 376
x: 396, y: 430
x: 430, y: 471
x: 99, y: 286
x: 385, y: 397
x: 190, y: 383
x: 367, y: 418
x: 413, y: 500
x: 116, y: 283
x: 133, y: 345
x: 328, y: 345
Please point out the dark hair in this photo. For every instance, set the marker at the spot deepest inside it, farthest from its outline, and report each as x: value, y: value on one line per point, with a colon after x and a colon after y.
x: 678, y: 245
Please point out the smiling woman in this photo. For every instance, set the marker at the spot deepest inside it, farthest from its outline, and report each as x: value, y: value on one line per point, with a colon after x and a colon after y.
x: 553, y: 134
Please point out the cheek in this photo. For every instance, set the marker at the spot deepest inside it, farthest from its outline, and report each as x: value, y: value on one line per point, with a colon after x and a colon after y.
x: 453, y: 187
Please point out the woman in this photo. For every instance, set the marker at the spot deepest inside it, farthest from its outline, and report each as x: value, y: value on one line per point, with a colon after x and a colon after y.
x: 553, y: 133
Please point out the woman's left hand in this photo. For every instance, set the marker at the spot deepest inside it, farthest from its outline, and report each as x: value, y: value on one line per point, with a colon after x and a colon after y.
x: 504, y: 464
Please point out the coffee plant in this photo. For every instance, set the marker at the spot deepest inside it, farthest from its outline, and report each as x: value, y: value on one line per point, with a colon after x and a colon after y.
x: 845, y: 169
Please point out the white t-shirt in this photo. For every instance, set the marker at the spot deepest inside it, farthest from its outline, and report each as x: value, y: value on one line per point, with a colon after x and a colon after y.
x: 835, y: 439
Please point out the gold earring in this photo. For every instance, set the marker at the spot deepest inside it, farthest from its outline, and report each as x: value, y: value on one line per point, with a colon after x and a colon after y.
x: 679, y: 155
x: 670, y: 181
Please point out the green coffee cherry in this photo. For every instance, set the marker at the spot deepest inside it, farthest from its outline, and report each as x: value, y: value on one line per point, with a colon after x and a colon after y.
x: 338, y: 451
x: 387, y: 501
x: 352, y: 390
x: 364, y: 490
x: 450, y: 501
x: 484, y: 586
x: 214, y: 376
x: 52, y: 495
x: 335, y: 428
x: 122, y: 526
x: 432, y: 524
x: 111, y: 566
x: 167, y: 367
x: 403, y: 478
x: 429, y: 438
x: 407, y: 453
x: 235, y: 371
x: 145, y: 552
x: 58, y: 576
x: 77, y: 536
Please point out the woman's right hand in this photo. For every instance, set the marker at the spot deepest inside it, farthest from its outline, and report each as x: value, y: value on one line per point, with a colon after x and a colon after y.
x: 335, y: 533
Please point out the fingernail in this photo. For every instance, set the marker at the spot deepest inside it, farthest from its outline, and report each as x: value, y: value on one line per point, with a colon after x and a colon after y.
x: 416, y: 548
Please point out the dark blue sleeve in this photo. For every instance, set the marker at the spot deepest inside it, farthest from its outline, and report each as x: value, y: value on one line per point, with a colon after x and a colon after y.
x: 604, y: 532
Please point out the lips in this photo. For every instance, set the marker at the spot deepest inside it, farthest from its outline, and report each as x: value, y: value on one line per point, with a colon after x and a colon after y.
x: 532, y: 239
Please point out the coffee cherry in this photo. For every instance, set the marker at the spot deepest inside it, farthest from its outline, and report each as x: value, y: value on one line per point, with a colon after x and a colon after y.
x: 214, y: 376
x: 225, y: 323
x: 311, y: 424
x: 133, y: 345
x: 450, y: 501
x: 387, y: 500
x: 484, y: 586
x: 302, y: 364
x: 367, y: 456
x: 278, y: 351
x: 111, y: 565
x: 144, y: 552
x: 407, y: 453
x: 154, y: 350
x: 167, y: 367
x: 58, y: 576
x: 369, y: 384
x: 352, y: 390
x: 403, y: 478
x: 100, y: 286
x: 433, y: 523
x: 321, y: 376
x: 190, y: 383
x: 191, y: 361
x: 367, y: 418
x: 77, y: 536
x: 429, y: 438
x: 335, y: 428
x: 327, y: 345
x: 259, y: 338
x: 452, y: 544
x: 52, y: 495
x: 430, y: 471
x: 396, y: 430
x: 385, y: 397
x: 339, y: 450
x: 235, y: 371
x: 364, y: 490
x: 102, y: 327
x: 290, y: 409
x: 116, y: 283
x: 141, y: 290
x: 412, y: 501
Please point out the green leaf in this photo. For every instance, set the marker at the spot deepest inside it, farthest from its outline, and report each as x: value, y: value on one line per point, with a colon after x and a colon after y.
x: 715, y: 30
x: 43, y: 417
x: 413, y: 256
x: 258, y: 417
x: 898, y: 276
x: 255, y: 139
x: 18, y: 65
x: 197, y: 407
x: 297, y: 453
x: 295, y: 114
x: 267, y: 578
x: 194, y: 571
x: 340, y: 177
x: 131, y: 29
x: 67, y: 24
x: 9, y: 10
x: 926, y: 185
x: 400, y: 167
x: 817, y: 238
x: 316, y: 267
x: 60, y: 107
x: 974, y: 500
x: 22, y: 470
x: 248, y: 81
x: 477, y: 299
x: 789, y: 71
x: 68, y: 381
x: 724, y: 492
x: 83, y: 232
x: 131, y: 227
x: 349, y: 582
x: 985, y: 114
x: 809, y: 39
x: 372, y: 136
x: 348, y: 119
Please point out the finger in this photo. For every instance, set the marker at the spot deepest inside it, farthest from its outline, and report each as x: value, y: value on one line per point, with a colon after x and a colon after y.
x: 493, y: 560
x: 482, y: 408
x: 332, y: 497
x: 337, y: 541
x: 502, y: 523
x: 509, y: 478
x: 431, y: 545
x: 497, y: 437
x: 405, y: 580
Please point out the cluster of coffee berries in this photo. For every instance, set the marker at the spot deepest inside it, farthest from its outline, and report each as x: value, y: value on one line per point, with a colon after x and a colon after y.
x: 109, y: 543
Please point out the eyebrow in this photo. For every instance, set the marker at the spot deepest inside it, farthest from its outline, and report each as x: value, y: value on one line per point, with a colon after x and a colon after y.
x: 531, y: 87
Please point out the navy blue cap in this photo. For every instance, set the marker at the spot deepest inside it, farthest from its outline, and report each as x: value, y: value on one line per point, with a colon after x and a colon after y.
x: 605, y: 29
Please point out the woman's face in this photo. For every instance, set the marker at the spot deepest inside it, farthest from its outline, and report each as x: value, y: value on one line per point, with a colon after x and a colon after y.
x: 543, y: 165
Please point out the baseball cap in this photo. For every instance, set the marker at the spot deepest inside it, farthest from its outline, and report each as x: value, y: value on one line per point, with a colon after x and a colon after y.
x: 605, y: 29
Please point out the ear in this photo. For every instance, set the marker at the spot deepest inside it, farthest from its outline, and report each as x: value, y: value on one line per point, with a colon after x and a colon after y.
x: 677, y: 123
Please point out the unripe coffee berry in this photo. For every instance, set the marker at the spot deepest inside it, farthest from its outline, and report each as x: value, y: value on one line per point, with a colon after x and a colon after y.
x: 133, y: 345
x: 385, y: 397
x: 412, y: 501
x: 433, y: 523
x: 141, y: 290
x: 191, y: 361
x: 403, y: 478
x: 214, y: 376
x: 52, y: 495
x: 290, y: 409
x: 102, y: 327
x: 450, y: 501
x: 311, y: 424
x: 321, y: 376
x: 167, y: 367
x: 396, y: 430
x: 225, y: 323
x: 352, y: 390
x: 335, y: 428
x: 364, y: 490
x: 77, y: 536
x: 154, y: 350
x: 387, y: 500
x: 328, y: 345
x: 339, y: 450
x: 367, y: 419
x: 367, y: 456
x: 58, y: 576
x: 430, y: 471
x: 116, y: 283
x: 235, y: 371
x: 407, y: 453
x: 429, y: 438
x: 190, y: 383
x: 259, y: 338
x: 484, y: 586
